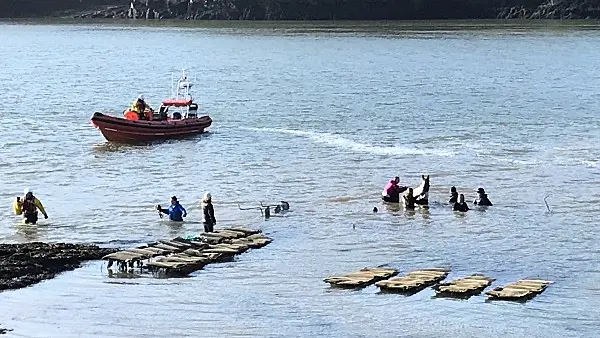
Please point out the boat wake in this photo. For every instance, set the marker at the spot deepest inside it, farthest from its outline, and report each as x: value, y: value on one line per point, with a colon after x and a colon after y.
x: 344, y: 143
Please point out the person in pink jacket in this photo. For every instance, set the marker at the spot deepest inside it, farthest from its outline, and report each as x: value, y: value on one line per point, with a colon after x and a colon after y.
x: 391, y: 192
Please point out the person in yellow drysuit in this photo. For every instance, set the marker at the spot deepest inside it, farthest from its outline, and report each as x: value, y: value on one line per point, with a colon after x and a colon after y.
x: 29, y: 206
x: 139, y: 106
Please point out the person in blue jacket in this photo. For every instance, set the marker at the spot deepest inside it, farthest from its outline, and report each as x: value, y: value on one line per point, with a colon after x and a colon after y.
x: 176, y: 211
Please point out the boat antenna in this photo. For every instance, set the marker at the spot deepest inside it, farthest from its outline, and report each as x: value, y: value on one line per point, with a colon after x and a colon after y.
x: 172, y: 80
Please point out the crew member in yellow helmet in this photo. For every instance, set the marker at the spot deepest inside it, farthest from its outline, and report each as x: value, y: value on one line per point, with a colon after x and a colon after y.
x: 28, y: 206
x: 140, y: 107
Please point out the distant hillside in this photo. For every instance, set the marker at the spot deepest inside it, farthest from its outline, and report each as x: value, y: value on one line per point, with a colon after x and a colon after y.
x: 304, y: 9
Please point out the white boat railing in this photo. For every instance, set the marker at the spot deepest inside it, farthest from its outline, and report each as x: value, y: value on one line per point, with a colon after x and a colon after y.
x: 180, y: 90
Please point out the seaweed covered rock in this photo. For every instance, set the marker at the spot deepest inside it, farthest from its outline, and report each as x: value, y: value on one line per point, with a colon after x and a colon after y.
x: 4, y: 331
x: 22, y: 265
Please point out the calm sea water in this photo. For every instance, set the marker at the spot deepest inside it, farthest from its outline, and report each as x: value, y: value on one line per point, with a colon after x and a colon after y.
x: 320, y: 117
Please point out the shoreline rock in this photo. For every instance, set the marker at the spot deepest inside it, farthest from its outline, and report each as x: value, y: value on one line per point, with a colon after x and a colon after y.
x: 270, y: 10
x: 554, y: 9
x: 22, y: 265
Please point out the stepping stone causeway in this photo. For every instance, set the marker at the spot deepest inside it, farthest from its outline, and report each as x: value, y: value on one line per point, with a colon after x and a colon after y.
x: 181, y: 256
x: 523, y: 289
x: 464, y: 287
x: 361, y: 278
x: 414, y: 281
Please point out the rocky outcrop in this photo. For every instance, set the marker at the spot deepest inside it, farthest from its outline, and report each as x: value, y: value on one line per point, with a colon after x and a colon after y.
x: 40, y: 8
x: 4, y: 331
x: 304, y: 9
x: 298, y: 9
x: 22, y: 265
x: 554, y: 9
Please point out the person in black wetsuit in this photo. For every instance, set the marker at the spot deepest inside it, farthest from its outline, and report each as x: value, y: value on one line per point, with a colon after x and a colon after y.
x: 209, y: 213
x: 409, y: 200
x: 482, y: 198
x: 453, y: 195
x: 461, y: 205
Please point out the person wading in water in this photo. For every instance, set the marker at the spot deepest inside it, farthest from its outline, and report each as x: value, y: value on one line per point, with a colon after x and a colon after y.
x: 461, y: 205
x: 176, y: 211
x: 482, y: 198
x: 209, y: 212
x: 391, y: 192
x: 29, y: 206
x: 453, y: 195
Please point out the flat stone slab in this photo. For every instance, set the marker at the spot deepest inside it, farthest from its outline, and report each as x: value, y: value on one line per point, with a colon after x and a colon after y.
x: 221, y: 250
x: 165, y: 247
x: 246, y: 231
x: 254, y: 243
x: 466, y: 286
x: 414, y: 281
x: 230, y: 233
x: 520, y: 290
x: 176, y: 244
x: 124, y: 256
x: 156, y: 251
x: 361, y: 278
x: 167, y: 265
x: 191, y: 253
x: 144, y: 252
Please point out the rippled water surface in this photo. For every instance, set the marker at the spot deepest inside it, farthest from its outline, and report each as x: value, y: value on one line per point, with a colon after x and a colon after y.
x: 321, y: 118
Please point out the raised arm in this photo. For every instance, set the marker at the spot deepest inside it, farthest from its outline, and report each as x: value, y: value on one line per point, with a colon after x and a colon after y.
x: 160, y: 209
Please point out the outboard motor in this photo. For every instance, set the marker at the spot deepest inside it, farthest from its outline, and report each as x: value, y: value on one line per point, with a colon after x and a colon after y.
x: 192, y: 110
x: 162, y: 113
x: 177, y: 116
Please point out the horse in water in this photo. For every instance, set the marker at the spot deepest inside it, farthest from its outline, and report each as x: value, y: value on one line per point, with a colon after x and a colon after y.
x: 421, y: 192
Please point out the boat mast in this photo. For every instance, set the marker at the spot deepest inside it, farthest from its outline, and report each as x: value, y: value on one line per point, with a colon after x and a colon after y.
x: 172, y: 80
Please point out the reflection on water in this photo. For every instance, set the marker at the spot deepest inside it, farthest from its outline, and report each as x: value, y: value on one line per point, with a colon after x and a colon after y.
x: 30, y: 233
x: 110, y: 147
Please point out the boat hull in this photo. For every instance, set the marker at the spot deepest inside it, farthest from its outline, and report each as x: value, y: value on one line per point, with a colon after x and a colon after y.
x: 120, y: 130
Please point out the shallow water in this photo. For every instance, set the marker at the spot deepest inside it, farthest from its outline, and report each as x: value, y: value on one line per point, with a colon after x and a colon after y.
x: 321, y: 118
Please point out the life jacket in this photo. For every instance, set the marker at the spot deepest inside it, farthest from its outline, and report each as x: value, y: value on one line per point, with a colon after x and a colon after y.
x: 390, y: 188
x: 29, y: 206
